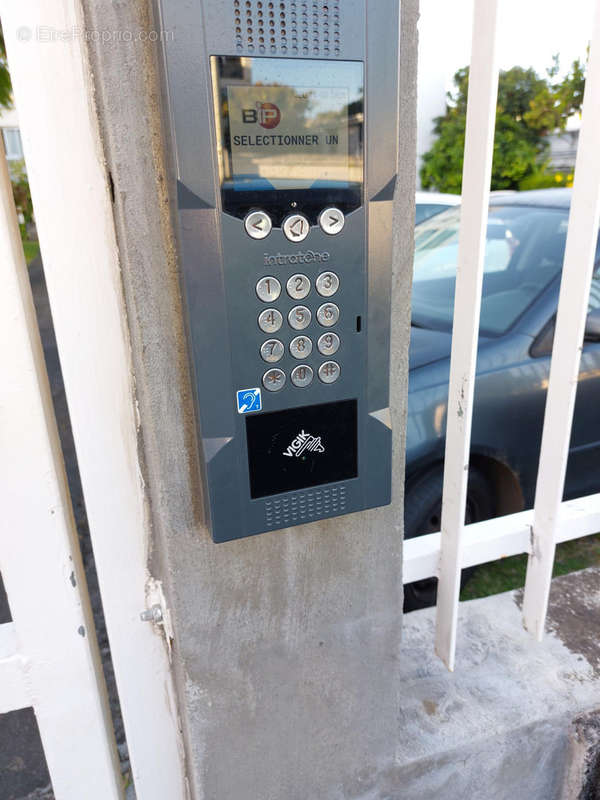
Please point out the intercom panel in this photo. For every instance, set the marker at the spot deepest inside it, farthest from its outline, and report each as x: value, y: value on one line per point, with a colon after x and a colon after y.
x: 284, y: 127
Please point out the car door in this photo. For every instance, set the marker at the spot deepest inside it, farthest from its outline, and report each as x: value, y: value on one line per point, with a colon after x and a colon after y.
x: 583, y: 468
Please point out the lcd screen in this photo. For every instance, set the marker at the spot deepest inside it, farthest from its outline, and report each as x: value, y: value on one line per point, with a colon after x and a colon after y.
x: 289, y: 126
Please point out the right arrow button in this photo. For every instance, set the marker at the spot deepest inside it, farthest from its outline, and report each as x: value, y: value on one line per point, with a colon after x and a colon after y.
x: 331, y: 221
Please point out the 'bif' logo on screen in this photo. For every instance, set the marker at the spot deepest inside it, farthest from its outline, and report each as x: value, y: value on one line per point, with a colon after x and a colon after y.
x: 266, y: 114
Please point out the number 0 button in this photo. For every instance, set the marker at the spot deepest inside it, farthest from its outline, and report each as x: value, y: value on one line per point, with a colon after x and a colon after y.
x: 299, y: 318
x: 272, y: 350
x: 328, y: 314
x: 327, y: 284
x: 273, y: 380
x: 298, y: 286
x: 302, y: 375
x: 268, y: 289
x: 270, y: 320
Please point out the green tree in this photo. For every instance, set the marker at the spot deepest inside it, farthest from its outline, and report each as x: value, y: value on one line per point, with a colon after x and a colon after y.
x: 5, y: 84
x: 528, y: 108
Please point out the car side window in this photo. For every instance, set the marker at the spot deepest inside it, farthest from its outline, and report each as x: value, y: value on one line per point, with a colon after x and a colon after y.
x: 542, y: 346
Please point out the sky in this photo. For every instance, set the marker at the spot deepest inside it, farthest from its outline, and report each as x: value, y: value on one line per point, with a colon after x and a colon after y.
x: 529, y: 33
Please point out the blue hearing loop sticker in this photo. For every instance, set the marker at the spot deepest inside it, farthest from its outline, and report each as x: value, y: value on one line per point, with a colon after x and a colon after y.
x: 248, y: 400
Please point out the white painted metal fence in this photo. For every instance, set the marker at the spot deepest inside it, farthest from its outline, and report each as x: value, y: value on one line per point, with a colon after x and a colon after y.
x: 47, y: 658
x: 46, y: 661
x: 537, y: 531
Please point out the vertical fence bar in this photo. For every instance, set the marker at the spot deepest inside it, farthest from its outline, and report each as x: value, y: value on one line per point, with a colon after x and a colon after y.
x: 566, y: 353
x: 54, y: 94
x: 479, y: 139
x: 39, y: 552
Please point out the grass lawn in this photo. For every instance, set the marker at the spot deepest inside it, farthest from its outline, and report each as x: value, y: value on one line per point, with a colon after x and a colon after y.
x: 31, y: 250
x: 509, y: 573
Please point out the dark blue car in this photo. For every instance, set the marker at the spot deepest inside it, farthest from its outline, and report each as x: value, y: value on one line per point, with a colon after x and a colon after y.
x: 525, y: 245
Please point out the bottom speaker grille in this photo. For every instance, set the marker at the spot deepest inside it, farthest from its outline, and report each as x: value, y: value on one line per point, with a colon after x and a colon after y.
x: 305, y: 506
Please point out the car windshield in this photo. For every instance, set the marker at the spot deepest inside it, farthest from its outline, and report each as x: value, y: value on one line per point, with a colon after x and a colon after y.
x: 524, y: 252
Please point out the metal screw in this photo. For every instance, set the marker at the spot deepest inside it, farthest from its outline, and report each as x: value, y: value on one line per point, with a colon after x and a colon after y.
x: 153, y: 614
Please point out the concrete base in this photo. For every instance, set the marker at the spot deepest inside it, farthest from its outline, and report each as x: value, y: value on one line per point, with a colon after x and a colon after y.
x: 499, y: 726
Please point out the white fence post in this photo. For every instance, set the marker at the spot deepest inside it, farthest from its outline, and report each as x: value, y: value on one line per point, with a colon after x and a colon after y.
x: 48, y: 656
x: 63, y: 150
x: 564, y: 369
x: 479, y: 139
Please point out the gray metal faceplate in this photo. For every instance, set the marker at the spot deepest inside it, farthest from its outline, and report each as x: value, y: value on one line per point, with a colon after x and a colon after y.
x: 221, y: 264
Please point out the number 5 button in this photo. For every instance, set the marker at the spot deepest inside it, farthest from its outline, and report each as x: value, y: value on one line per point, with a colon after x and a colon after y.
x: 299, y: 318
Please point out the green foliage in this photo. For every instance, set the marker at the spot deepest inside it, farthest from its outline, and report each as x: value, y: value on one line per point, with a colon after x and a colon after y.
x: 5, y: 84
x: 21, y: 192
x: 528, y: 108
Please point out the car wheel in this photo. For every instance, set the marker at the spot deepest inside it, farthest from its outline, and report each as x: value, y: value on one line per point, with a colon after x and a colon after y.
x: 422, y: 514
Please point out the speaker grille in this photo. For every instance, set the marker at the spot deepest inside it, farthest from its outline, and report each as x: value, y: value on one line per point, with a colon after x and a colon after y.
x: 305, y: 506
x: 287, y: 27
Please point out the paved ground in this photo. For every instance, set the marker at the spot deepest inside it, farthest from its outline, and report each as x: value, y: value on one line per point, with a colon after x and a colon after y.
x: 23, y: 772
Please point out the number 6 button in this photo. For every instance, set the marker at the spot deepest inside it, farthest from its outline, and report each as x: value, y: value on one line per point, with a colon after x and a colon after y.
x: 328, y: 314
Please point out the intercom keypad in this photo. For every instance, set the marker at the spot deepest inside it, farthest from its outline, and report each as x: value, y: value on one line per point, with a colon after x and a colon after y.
x: 286, y: 167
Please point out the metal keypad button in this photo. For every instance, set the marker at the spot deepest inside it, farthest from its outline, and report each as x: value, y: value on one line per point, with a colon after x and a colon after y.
x: 296, y: 227
x: 328, y: 314
x: 270, y: 320
x: 258, y: 224
x: 301, y: 347
x: 298, y: 287
x: 274, y: 380
x: 328, y: 344
x: 268, y: 289
x: 302, y: 375
x: 329, y: 372
x: 327, y: 284
x: 272, y: 350
x: 299, y: 318
x: 331, y: 221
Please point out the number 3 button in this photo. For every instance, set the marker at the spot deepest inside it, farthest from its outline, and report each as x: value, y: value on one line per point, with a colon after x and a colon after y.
x: 327, y: 284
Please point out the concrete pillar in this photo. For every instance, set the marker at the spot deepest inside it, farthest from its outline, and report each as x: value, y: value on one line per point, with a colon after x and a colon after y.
x: 285, y: 646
